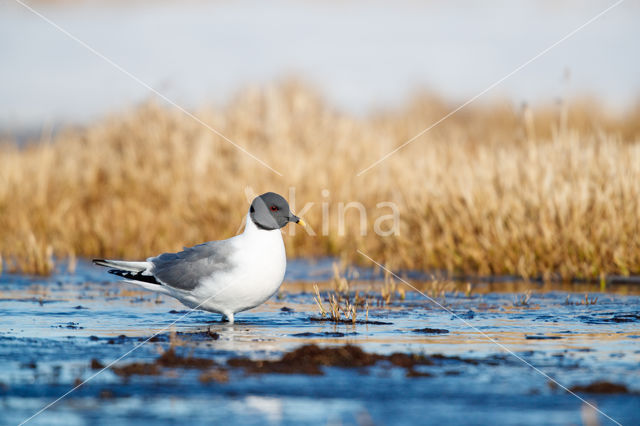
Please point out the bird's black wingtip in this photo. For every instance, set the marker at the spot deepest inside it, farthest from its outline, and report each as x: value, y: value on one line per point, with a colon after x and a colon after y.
x: 139, y: 276
x: 118, y: 272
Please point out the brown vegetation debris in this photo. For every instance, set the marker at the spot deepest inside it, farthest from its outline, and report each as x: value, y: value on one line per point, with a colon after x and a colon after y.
x: 168, y: 359
x: 601, y: 387
x: 96, y: 365
x: 428, y: 330
x: 137, y: 368
x: 214, y: 375
x: 309, y: 359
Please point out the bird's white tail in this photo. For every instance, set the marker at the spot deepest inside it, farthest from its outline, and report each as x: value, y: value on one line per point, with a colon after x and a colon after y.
x: 133, y: 273
x: 123, y: 265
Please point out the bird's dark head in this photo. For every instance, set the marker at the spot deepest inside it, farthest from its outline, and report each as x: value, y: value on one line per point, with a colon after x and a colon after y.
x: 271, y: 211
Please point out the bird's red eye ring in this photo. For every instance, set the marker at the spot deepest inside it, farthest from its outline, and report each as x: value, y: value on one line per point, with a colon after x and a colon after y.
x: 274, y: 208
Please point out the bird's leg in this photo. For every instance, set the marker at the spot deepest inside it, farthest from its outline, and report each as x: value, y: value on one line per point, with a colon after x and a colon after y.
x: 228, y: 316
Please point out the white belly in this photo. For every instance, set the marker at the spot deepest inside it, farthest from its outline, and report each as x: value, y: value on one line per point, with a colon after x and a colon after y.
x: 259, y: 266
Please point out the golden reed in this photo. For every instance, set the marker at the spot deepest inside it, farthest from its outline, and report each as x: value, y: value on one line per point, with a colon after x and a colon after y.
x: 495, y: 189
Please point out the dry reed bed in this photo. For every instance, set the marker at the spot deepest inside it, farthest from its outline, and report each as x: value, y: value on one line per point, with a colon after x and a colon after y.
x: 495, y: 189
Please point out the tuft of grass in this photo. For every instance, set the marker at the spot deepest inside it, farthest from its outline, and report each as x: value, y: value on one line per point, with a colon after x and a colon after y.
x: 468, y: 290
x: 587, y: 301
x: 338, y: 307
x: 37, y: 257
x: 438, y: 288
x: 340, y: 282
x: 318, y: 301
x: 522, y: 300
x: 590, y: 301
x: 495, y: 189
x: 388, y: 291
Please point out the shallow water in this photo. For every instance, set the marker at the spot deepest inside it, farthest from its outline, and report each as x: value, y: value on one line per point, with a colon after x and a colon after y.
x: 53, y: 327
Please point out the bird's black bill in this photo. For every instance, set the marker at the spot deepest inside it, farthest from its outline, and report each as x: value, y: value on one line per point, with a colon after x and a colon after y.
x: 296, y: 219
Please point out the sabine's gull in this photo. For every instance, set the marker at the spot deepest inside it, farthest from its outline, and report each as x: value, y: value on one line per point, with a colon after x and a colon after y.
x: 227, y: 276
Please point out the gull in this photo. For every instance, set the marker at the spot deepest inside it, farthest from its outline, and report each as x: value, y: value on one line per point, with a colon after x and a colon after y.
x: 227, y: 276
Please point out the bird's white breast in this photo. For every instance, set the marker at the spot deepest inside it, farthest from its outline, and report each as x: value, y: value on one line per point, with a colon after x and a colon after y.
x: 259, y: 262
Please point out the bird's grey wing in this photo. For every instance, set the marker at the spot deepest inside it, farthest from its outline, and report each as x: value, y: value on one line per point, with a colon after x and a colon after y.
x: 184, y: 270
